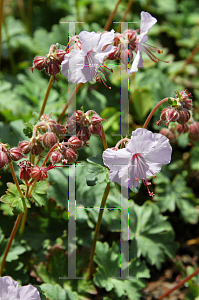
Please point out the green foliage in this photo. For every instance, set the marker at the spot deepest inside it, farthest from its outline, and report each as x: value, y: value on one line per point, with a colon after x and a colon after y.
x: 152, y: 236
x: 176, y: 193
x: 97, y: 172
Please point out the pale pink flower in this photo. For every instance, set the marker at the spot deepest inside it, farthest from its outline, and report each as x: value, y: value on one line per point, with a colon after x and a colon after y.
x: 9, y: 290
x: 147, y: 21
x: 82, y: 65
x: 143, y: 156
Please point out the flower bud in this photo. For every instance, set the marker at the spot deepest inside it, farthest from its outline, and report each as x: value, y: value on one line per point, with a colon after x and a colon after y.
x: 49, y: 139
x: 115, y: 54
x: 16, y: 153
x: 38, y: 173
x: 168, y: 114
x: 39, y: 63
x: 184, y: 116
x: 95, y: 129
x: 70, y: 155
x: 60, y: 56
x: 188, y: 104
x: 3, y: 159
x: 75, y: 142
x: 84, y: 134
x: 52, y: 68
x: 37, y: 149
x: 25, y: 146
x: 182, y: 128
x: 55, y: 157
x: 25, y: 170
x: 194, y: 131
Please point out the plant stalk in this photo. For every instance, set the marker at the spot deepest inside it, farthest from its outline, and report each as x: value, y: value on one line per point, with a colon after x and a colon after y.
x: 46, y: 96
x: 14, y: 230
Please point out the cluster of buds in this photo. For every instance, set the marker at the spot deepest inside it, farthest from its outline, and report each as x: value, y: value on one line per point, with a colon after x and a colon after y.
x: 51, y: 62
x: 46, y: 134
x: 84, y: 124
x: 178, y: 111
x: 124, y: 45
x: 8, y: 155
x: 173, y: 131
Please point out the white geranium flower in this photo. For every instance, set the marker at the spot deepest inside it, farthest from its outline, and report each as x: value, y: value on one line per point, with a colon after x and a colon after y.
x: 9, y: 290
x: 147, y: 21
x: 143, y: 156
x: 82, y: 65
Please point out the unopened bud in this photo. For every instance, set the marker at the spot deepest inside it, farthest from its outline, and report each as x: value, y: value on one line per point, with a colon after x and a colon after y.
x: 37, y: 149
x: 3, y: 159
x: 182, y: 128
x: 96, y: 129
x: 49, y: 139
x: 25, y: 146
x: 60, y: 55
x: 55, y: 157
x: 184, y: 116
x: 52, y: 68
x: 38, y: 173
x: 16, y: 153
x: 168, y: 114
x: 84, y: 134
x: 75, y: 142
x: 126, y: 56
x: 194, y: 131
x: 39, y: 63
x: 70, y: 155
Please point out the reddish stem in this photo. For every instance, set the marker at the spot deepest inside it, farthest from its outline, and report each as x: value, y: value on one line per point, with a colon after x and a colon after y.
x: 179, y: 284
x: 152, y: 112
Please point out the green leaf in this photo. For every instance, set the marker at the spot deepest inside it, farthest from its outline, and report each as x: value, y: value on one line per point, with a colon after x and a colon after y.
x: 12, y: 197
x: 97, y: 172
x: 28, y: 130
x: 108, y: 260
x: 56, y: 292
x: 152, y: 236
x: 176, y: 193
x: 39, y: 194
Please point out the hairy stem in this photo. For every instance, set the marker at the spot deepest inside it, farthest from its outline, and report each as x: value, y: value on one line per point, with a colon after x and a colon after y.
x: 15, y: 180
x: 46, y: 96
x: 69, y: 101
x: 179, y: 284
x: 14, y: 230
x: 153, y: 111
x: 97, y: 228
x: 108, y: 23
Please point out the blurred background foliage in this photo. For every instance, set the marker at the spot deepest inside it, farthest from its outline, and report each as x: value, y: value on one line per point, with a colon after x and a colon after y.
x: 29, y: 28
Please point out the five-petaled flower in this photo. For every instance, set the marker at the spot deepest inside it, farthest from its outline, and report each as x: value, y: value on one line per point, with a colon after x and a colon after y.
x: 147, y: 21
x: 144, y: 155
x: 9, y: 290
x: 82, y: 65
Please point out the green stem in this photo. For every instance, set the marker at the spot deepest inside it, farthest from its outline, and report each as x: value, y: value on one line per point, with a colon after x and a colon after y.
x: 69, y: 101
x: 15, y: 180
x: 179, y: 284
x: 153, y: 111
x: 46, y: 96
x: 14, y: 230
x: 97, y: 228
x: 23, y: 221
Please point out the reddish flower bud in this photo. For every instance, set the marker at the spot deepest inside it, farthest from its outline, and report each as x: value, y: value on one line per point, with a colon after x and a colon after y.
x: 115, y: 54
x: 60, y: 55
x: 25, y: 146
x: 37, y: 149
x: 25, y: 170
x: 194, y: 131
x: 188, y: 104
x: 130, y: 34
x: 75, y: 142
x: 168, y: 114
x: 55, y: 157
x: 84, y: 134
x: 182, y: 128
x: 49, y: 139
x: 95, y: 129
x: 70, y: 155
x: 3, y: 159
x: 52, y: 68
x: 184, y: 116
x: 38, y: 173
x: 39, y: 63
x: 16, y: 153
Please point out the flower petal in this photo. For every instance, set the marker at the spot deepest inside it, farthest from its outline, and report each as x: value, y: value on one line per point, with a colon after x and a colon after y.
x: 89, y: 41
x: 137, y: 62
x: 161, y: 153
x: 114, y: 160
x: 28, y: 292
x: 72, y: 64
x: 8, y: 288
x: 105, y: 39
x: 147, y: 21
x: 101, y: 55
